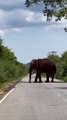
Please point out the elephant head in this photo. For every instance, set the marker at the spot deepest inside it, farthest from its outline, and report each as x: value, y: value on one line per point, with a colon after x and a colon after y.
x: 32, y: 68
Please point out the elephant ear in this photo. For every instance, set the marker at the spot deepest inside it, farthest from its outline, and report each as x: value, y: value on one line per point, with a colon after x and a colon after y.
x: 37, y: 64
x: 33, y: 61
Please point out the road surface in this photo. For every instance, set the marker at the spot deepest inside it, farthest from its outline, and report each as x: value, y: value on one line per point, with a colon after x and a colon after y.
x: 35, y: 101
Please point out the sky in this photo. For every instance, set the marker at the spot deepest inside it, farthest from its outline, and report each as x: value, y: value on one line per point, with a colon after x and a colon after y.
x: 27, y: 33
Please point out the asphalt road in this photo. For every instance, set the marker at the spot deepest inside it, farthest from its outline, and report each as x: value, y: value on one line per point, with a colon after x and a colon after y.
x: 35, y: 101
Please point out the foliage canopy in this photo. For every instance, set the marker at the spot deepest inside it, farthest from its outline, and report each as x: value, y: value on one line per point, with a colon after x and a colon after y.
x: 58, y: 8
x: 10, y: 68
x: 61, y: 64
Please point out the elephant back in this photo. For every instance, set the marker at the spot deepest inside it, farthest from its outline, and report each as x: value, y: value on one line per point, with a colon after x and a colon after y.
x: 47, y: 66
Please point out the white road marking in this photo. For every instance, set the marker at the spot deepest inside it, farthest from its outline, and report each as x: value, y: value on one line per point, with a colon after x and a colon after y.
x: 59, y: 94
x: 65, y: 100
x: 6, y: 95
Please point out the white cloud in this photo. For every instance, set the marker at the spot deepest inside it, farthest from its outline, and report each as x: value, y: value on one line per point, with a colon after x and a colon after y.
x: 15, y: 16
x: 11, y: 31
x: 2, y: 33
x: 35, y: 17
x: 17, y: 30
x: 8, y: 5
x: 56, y: 25
x: 19, y: 18
x: 29, y: 17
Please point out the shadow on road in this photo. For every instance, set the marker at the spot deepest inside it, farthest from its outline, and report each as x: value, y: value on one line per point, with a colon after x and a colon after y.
x: 22, y: 81
x: 58, y: 81
x: 61, y: 87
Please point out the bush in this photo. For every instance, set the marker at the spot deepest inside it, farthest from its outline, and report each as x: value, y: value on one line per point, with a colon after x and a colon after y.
x: 10, y: 68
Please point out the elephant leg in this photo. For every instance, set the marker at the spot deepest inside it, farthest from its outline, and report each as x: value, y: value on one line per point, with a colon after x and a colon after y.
x: 47, y: 80
x: 40, y: 78
x: 36, y: 78
x: 52, y: 79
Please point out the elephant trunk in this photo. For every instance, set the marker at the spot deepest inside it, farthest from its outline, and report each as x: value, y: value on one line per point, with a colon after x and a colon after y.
x: 29, y: 75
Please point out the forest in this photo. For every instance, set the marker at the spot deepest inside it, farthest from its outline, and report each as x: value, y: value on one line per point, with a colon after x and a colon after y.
x: 61, y: 64
x: 10, y: 68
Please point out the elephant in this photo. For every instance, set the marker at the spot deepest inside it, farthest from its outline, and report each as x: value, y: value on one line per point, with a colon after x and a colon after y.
x: 43, y: 65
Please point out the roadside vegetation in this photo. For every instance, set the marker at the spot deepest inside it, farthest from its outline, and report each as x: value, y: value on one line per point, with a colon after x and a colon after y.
x: 61, y: 64
x: 10, y: 68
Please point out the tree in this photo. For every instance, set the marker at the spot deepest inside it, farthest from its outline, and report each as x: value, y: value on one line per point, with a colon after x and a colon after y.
x: 61, y: 64
x: 10, y: 68
x: 58, y: 8
x: 53, y: 56
x: 1, y: 44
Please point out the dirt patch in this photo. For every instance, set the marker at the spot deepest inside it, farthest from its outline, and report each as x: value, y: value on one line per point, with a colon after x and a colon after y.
x: 7, y: 87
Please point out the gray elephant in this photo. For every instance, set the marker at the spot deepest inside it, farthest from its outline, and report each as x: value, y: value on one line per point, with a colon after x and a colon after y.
x: 42, y: 66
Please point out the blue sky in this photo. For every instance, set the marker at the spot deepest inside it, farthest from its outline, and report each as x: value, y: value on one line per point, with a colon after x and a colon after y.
x: 27, y: 33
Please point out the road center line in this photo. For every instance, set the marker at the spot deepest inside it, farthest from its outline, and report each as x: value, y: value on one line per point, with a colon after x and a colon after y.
x: 65, y: 100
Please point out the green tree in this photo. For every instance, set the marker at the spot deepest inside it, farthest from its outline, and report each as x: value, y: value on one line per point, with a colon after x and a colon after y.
x: 7, y: 54
x: 58, y: 8
x: 1, y: 44
x: 56, y: 59
x: 53, y: 56
x: 64, y: 65
x: 10, y: 68
x: 61, y: 64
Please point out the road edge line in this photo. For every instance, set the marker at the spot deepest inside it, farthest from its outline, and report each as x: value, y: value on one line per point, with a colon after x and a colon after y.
x: 6, y: 96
